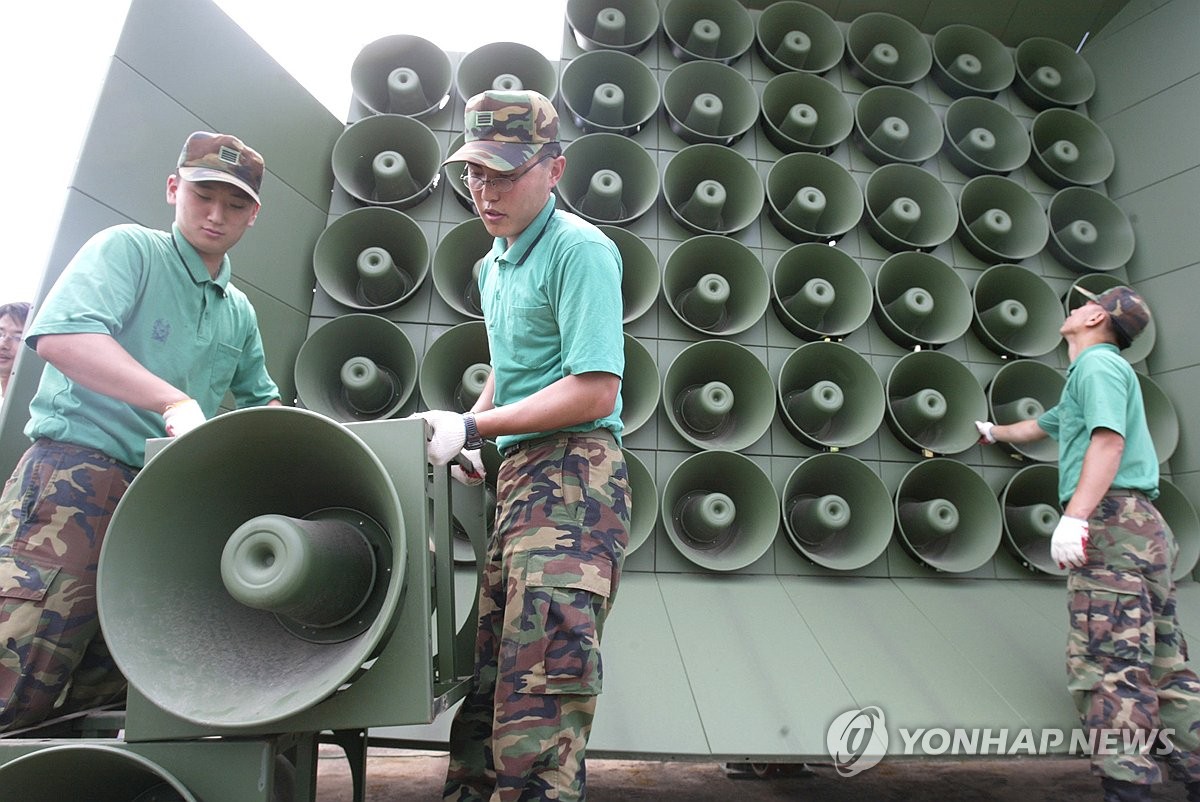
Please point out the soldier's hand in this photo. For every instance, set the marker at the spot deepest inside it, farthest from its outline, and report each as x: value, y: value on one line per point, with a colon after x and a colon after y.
x: 985, y: 432
x: 183, y: 416
x: 1069, y: 541
x: 445, y: 436
x: 470, y: 473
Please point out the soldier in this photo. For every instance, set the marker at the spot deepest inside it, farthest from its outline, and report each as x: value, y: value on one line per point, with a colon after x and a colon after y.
x: 12, y: 330
x: 143, y: 334
x: 551, y: 291
x: 1126, y: 657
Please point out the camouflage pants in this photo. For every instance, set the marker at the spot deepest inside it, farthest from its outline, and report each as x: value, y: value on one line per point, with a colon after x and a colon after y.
x: 53, y: 515
x: 1126, y: 656
x: 552, y: 571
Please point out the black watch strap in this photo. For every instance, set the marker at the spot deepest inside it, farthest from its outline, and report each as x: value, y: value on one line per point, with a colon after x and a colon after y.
x: 473, y: 438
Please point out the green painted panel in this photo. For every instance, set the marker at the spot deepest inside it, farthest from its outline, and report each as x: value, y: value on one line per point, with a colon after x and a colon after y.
x: 1163, y: 245
x: 1171, y: 297
x: 1155, y: 139
x: 1182, y: 387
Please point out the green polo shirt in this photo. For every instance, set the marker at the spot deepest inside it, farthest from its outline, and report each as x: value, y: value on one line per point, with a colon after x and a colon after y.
x: 151, y: 292
x: 1102, y: 391
x: 552, y: 305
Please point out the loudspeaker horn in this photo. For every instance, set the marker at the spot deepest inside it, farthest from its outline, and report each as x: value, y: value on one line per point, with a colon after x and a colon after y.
x: 609, y: 91
x: 1031, y: 512
x: 719, y: 395
x: 802, y: 112
x: 1049, y: 74
x: 908, y: 209
x: 921, y: 301
x: 640, y: 276
x: 1179, y: 513
x: 356, y: 367
x: 710, y: 30
x: 837, y: 512
x: 455, y: 367
x: 970, y: 61
x: 93, y: 771
x: 1088, y: 231
x: 812, y: 198
x: 720, y: 510
x: 984, y: 137
x: 1097, y: 283
x: 402, y: 74
x: 1001, y: 221
x: 456, y: 266
x: 1069, y: 149
x: 1022, y: 390
x: 882, y: 48
x: 609, y: 178
x: 1161, y: 418
x: 640, y: 389
x: 452, y: 175
x: 505, y: 66
x: 388, y: 160
x: 645, y: 512
x: 624, y: 25
x: 712, y: 189
x: 933, y: 401
x: 707, y: 101
x: 371, y: 258
x: 1016, y: 312
x: 716, y: 285
x: 792, y: 35
x: 893, y: 124
x: 820, y: 292
x: 830, y: 396
x: 947, y: 516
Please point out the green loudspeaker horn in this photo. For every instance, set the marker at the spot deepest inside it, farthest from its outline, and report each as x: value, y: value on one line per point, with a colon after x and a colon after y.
x: 1069, y: 149
x: 1001, y: 220
x: 1016, y: 312
x: 456, y: 266
x: 1022, y: 390
x: 837, y: 511
x: 387, y: 160
x: 830, y: 396
x: 893, y: 124
x: 640, y: 390
x: 1097, y: 283
x: 645, y: 509
x: 983, y: 136
x: 93, y: 771
x: 947, y: 516
x: 1161, y: 417
x: 716, y: 285
x: 805, y: 112
x: 820, y: 292
x: 505, y: 66
x: 1179, y: 513
x: 640, y: 276
x: 712, y: 189
x: 970, y: 61
x: 356, y: 367
x: 711, y: 30
x: 796, y: 36
x: 1049, y: 73
x: 707, y: 101
x: 455, y: 367
x: 624, y: 25
x: 921, y: 301
x: 402, y: 74
x: 933, y: 403
x: 908, y: 209
x: 452, y: 175
x: 1088, y: 231
x: 1031, y: 511
x: 718, y: 395
x: 720, y: 510
x: 812, y: 198
x: 371, y: 258
x: 609, y: 178
x: 882, y: 48
x: 610, y: 91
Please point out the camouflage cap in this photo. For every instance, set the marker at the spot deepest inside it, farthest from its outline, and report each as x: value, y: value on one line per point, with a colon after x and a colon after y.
x: 1126, y: 309
x: 221, y: 157
x: 505, y: 129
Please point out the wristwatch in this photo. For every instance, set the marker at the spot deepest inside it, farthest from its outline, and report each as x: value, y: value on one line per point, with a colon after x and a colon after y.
x: 473, y: 438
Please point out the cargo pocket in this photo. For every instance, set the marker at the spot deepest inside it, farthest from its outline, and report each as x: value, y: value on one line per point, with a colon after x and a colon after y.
x: 1111, y: 617
x: 22, y: 579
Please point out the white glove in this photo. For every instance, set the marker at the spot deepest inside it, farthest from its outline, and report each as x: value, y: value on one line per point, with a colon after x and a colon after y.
x: 446, y: 437
x: 183, y: 416
x: 468, y: 476
x: 1068, y: 542
x: 985, y: 431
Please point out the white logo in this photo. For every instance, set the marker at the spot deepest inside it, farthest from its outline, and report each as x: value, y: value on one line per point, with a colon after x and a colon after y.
x: 857, y: 740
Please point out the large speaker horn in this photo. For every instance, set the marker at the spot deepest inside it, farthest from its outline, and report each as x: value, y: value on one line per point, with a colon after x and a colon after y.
x: 609, y: 91
x: 829, y: 395
x: 720, y: 510
x: 452, y: 174
x: 609, y: 178
x: 640, y: 389
x: 882, y: 48
x: 718, y: 395
x: 1049, y: 73
x: 893, y: 124
x: 456, y: 266
x: 372, y: 258
x: 1097, y: 283
x: 805, y: 112
x: 505, y: 66
x: 837, y: 512
x: 1179, y: 513
x: 1161, y: 418
x: 707, y: 101
x: 1031, y: 511
x: 624, y: 25
x: 1016, y: 312
x: 402, y: 74
x: 712, y: 30
x: 1088, y: 231
x: 640, y: 276
x: 921, y: 300
x: 716, y: 285
x: 356, y: 367
x: 1001, y: 220
x: 92, y: 771
x: 645, y: 511
x: 455, y: 367
x: 947, y: 516
x: 908, y: 209
x: 812, y: 198
x: 387, y: 160
x: 792, y: 35
x: 970, y: 61
x: 933, y: 403
x: 820, y: 292
x: 1023, y: 390
x: 983, y: 136
x: 1069, y: 149
x: 712, y: 189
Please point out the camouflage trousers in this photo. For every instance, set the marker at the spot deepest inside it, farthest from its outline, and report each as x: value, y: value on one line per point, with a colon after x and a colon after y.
x: 54, y: 513
x: 1126, y: 655
x: 552, y: 570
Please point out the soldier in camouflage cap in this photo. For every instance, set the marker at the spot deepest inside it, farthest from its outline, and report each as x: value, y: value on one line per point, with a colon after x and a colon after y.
x: 1127, y: 312
x: 505, y: 129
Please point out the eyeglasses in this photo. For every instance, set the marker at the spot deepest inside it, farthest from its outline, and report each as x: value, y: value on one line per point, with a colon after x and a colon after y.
x: 503, y: 183
x: 5, y: 337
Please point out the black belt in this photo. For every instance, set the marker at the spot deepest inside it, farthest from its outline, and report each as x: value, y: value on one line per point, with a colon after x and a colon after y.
x: 1119, y: 492
x: 532, y: 442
